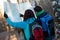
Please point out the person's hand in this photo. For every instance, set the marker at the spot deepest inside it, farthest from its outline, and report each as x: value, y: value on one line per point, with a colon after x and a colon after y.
x: 21, y: 15
x: 5, y: 15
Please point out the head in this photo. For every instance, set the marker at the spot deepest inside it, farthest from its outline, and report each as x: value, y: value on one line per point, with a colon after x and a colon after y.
x: 28, y: 14
x: 37, y: 9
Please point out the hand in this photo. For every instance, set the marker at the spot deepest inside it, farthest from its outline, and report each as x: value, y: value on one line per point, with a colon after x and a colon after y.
x: 5, y: 15
x: 21, y: 15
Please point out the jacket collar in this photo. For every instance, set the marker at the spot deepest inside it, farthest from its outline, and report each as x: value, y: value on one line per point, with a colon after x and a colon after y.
x: 30, y: 20
x: 39, y: 13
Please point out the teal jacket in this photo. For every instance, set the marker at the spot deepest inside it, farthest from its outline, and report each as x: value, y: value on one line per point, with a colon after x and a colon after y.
x: 23, y: 25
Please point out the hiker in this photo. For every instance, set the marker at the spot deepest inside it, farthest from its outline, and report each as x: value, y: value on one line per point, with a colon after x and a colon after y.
x: 47, y: 23
x: 36, y: 32
x: 23, y: 25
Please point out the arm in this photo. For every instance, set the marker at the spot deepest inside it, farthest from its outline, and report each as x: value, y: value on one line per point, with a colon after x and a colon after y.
x: 17, y: 24
x: 22, y: 25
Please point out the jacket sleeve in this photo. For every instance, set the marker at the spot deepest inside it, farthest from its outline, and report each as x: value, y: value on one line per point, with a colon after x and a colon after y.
x: 17, y: 24
x: 22, y: 25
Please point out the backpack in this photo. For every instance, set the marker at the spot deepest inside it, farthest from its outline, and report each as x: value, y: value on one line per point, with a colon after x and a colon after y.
x: 36, y: 31
x: 47, y: 24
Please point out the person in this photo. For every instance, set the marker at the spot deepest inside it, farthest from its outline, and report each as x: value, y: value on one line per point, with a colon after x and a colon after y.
x: 46, y: 21
x: 29, y: 18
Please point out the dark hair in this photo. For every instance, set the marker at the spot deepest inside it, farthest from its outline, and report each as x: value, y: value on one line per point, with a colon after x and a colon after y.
x: 28, y: 14
x: 37, y: 9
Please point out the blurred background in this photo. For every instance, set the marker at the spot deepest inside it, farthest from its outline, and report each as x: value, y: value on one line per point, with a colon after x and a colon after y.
x: 51, y: 6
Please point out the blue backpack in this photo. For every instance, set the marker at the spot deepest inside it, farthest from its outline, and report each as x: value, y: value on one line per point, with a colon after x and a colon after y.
x: 47, y: 24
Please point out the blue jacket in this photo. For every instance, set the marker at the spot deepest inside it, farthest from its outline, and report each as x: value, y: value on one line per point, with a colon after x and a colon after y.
x: 44, y: 18
x: 23, y: 25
